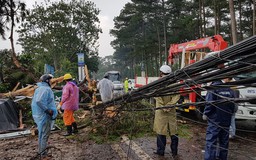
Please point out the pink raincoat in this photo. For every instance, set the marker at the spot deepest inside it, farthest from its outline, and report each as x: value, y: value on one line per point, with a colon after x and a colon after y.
x: 70, y: 97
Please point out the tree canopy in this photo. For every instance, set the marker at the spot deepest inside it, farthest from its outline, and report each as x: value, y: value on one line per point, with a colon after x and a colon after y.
x: 55, y: 32
x: 145, y: 29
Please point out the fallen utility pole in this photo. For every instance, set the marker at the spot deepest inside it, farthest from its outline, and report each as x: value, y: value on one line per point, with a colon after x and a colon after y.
x: 237, y: 59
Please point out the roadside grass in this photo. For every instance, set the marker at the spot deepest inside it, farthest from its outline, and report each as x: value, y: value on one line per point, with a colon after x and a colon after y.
x: 184, y: 131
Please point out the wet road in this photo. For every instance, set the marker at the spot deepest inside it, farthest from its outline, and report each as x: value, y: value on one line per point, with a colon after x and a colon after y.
x: 191, y: 146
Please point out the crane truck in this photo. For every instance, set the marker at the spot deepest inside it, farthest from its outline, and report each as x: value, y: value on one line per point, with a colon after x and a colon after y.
x: 183, y: 54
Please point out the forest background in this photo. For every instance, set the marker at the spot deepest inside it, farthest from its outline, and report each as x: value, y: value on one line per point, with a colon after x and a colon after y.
x: 54, y: 32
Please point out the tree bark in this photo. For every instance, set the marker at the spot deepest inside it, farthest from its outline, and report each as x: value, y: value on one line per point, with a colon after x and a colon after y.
x: 13, y: 53
x: 159, y: 46
x: 164, y: 23
x: 204, y: 25
x: 215, y: 18
x: 219, y: 16
x: 14, y: 56
x: 240, y: 21
x: 253, y: 20
x: 233, y: 21
x: 200, y: 19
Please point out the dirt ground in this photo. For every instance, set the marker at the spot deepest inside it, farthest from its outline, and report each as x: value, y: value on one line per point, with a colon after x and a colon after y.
x: 76, y: 147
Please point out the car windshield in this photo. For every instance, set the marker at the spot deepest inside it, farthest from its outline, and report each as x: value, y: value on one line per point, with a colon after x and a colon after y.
x: 114, y: 77
x: 246, y: 75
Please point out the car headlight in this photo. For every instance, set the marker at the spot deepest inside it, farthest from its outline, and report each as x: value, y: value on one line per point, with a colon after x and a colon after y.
x: 239, y: 112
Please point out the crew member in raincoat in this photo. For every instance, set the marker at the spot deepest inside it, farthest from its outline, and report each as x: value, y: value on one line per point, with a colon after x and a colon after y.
x: 126, y: 85
x: 69, y: 103
x: 43, y: 111
x: 165, y: 119
x: 219, y: 119
x: 106, y: 88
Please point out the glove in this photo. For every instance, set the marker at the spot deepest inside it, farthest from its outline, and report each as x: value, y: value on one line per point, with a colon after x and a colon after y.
x: 167, y: 110
x: 48, y: 111
x: 205, y: 117
x: 59, y: 107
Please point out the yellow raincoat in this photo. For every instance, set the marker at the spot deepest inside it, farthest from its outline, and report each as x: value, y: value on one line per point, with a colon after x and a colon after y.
x: 126, y: 86
x: 165, y: 119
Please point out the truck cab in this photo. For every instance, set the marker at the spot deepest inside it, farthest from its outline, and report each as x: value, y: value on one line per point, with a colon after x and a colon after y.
x: 247, y: 110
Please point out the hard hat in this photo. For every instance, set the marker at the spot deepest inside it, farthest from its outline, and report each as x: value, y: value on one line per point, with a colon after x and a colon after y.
x: 126, y: 78
x: 46, y: 78
x: 165, y: 69
x: 67, y: 76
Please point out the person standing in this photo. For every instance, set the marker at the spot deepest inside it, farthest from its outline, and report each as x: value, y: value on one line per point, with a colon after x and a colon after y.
x: 232, y: 128
x: 106, y: 88
x: 219, y: 120
x: 43, y: 111
x: 126, y: 85
x: 69, y: 103
x: 165, y: 119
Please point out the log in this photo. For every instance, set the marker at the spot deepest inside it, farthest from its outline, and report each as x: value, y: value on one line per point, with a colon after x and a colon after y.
x: 29, y: 90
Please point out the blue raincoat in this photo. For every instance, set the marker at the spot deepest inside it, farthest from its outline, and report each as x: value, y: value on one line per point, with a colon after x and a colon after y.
x: 42, y: 101
x: 219, y: 119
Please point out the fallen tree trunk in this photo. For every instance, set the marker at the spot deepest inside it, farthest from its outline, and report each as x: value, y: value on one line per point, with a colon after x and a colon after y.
x: 29, y: 90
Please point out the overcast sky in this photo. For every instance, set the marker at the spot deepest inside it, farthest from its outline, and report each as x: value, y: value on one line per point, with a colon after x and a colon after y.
x: 108, y: 10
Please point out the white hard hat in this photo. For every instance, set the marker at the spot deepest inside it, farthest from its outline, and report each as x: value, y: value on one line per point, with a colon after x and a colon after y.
x: 165, y: 69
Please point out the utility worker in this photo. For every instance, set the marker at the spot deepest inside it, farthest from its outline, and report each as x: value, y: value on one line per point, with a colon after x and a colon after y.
x: 165, y: 119
x: 106, y: 88
x: 219, y: 119
x: 126, y: 85
x: 69, y: 103
x: 43, y: 111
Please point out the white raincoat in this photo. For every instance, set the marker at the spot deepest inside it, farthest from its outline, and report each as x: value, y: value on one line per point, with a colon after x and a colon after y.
x: 106, y: 88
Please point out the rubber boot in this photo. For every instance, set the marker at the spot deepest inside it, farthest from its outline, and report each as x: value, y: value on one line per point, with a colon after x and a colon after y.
x: 161, y: 142
x: 74, y: 125
x: 69, y: 131
x: 174, y: 144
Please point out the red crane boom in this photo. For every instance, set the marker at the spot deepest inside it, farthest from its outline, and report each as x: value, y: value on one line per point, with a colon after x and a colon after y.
x: 214, y: 43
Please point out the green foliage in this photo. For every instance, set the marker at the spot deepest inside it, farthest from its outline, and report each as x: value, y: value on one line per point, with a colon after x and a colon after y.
x: 184, y: 131
x: 56, y: 31
x: 139, y: 29
x: 4, y: 87
x: 10, y: 75
x: 11, y: 12
x: 59, y: 122
x: 106, y: 64
x: 135, y: 124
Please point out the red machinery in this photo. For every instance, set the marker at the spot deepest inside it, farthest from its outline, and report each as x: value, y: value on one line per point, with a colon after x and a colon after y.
x: 214, y: 43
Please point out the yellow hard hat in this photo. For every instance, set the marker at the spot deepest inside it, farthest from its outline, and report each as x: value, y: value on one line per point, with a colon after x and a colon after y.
x: 67, y: 76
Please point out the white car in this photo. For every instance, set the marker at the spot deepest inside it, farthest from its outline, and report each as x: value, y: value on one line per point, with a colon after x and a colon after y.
x: 131, y: 84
